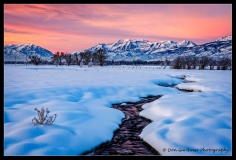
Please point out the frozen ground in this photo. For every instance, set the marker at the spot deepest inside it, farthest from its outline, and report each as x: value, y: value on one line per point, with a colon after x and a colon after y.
x: 184, y: 123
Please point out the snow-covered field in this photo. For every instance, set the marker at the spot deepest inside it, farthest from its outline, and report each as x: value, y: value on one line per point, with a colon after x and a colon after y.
x: 184, y: 123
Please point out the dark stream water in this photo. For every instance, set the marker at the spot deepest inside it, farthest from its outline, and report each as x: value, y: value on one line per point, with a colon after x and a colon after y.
x: 126, y: 140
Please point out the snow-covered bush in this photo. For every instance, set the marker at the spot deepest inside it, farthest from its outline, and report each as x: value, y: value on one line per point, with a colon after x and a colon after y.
x: 42, y: 117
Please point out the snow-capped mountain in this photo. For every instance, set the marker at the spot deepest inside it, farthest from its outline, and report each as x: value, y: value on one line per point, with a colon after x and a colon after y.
x: 22, y: 50
x: 145, y: 50
x: 142, y: 45
x: 136, y: 49
x: 226, y: 38
x: 186, y: 43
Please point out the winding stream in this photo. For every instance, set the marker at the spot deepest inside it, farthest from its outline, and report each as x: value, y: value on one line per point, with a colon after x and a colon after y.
x: 126, y: 140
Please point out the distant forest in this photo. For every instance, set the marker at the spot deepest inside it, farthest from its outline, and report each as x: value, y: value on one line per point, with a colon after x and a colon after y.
x: 123, y: 62
x: 100, y: 58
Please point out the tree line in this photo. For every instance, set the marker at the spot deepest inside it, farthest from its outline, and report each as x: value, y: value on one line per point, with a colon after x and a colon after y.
x: 192, y: 62
x: 87, y: 57
x: 99, y: 57
x: 137, y: 62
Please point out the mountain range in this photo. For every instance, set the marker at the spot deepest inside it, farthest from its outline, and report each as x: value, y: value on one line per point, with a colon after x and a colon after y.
x: 20, y: 51
x: 137, y: 49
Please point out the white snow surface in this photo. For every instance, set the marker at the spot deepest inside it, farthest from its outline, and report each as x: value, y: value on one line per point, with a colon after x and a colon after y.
x: 183, y: 123
x: 226, y: 38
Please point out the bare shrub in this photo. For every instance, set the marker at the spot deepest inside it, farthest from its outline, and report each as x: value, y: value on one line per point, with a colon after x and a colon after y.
x: 212, y: 63
x: 35, y: 59
x: 225, y: 63
x: 188, y: 61
x: 77, y: 58
x: 43, y: 117
x: 194, y: 62
x: 176, y: 63
x: 87, y: 57
x: 99, y: 56
x: 68, y: 58
x: 203, y: 62
x: 58, y: 57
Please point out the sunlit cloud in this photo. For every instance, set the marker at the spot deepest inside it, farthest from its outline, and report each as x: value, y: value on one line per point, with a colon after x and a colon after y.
x: 16, y: 31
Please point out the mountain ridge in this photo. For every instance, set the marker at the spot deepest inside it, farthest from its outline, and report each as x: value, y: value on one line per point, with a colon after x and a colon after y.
x: 146, y: 50
x: 23, y: 50
x: 141, y: 49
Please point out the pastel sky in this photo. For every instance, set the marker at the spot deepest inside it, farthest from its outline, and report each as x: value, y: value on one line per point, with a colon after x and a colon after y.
x: 74, y: 27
